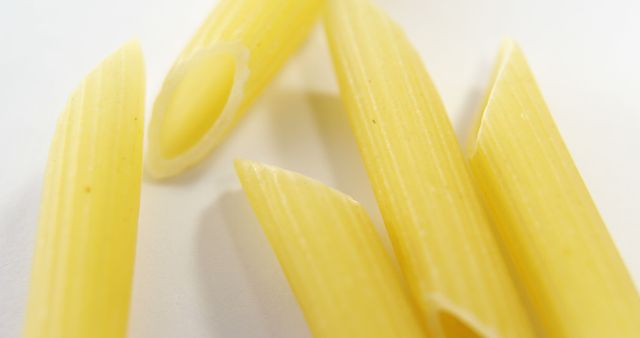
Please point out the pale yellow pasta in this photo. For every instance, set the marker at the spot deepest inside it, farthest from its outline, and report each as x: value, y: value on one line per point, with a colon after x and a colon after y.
x: 564, y: 256
x: 232, y: 57
x: 85, y: 246
x: 332, y: 256
x: 440, y: 231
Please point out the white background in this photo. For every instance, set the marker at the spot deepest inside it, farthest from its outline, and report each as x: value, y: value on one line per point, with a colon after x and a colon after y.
x: 204, y: 268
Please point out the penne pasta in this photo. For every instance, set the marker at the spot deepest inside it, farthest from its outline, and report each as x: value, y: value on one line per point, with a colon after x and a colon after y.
x: 440, y: 232
x: 332, y: 256
x: 564, y: 256
x: 85, y: 245
x: 232, y: 57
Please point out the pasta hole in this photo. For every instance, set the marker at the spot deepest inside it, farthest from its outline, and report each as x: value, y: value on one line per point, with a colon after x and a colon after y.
x: 453, y: 327
x: 200, y: 96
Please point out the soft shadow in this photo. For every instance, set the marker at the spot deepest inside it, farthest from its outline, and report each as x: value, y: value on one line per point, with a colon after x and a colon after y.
x: 332, y: 124
x: 340, y: 146
x: 288, y: 113
x: 302, y: 115
x: 18, y: 227
x: 245, y: 292
x: 342, y: 152
x: 20, y: 212
x: 471, y: 109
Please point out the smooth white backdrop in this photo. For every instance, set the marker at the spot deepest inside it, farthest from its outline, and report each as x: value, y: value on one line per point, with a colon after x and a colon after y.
x: 204, y: 268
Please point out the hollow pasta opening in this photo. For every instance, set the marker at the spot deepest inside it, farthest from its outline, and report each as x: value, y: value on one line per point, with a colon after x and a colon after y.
x: 196, y: 103
x: 453, y: 327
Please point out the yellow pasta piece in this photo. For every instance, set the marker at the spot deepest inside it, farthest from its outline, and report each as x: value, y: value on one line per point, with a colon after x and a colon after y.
x: 232, y: 57
x: 85, y: 246
x: 562, y: 252
x: 332, y: 256
x: 441, y: 234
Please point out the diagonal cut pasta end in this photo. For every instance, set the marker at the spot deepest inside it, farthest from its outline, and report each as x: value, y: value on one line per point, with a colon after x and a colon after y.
x: 229, y: 61
x: 563, y: 255
x: 509, y: 52
x: 452, y: 321
x: 331, y: 254
x: 196, y: 107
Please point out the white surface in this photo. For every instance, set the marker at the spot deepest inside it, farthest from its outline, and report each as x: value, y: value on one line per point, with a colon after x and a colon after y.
x: 204, y: 268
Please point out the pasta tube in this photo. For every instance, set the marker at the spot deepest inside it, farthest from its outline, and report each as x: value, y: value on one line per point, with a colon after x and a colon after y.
x: 232, y: 57
x: 331, y: 254
x: 85, y: 246
x: 440, y: 232
x: 545, y: 216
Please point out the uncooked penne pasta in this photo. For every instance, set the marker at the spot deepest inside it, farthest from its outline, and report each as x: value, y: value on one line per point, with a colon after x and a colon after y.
x: 232, y: 57
x: 441, y: 234
x: 545, y: 216
x: 85, y: 246
x: 332, y: 256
